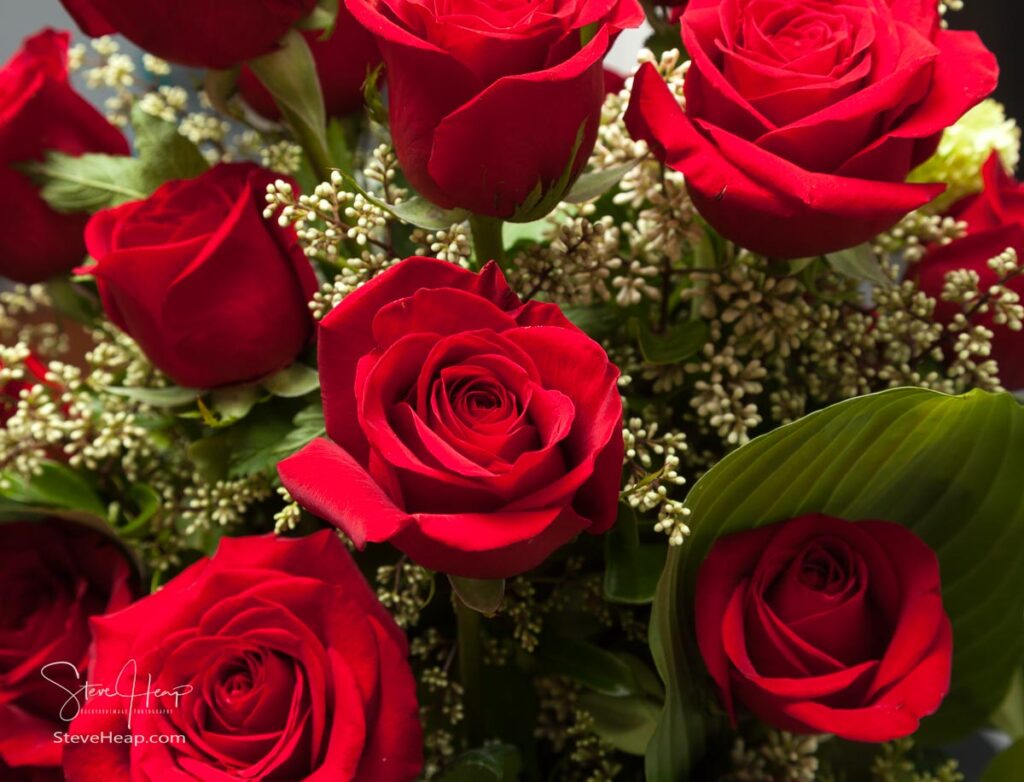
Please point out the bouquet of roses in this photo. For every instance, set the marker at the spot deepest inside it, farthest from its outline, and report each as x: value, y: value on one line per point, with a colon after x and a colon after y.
x: 391, y: 392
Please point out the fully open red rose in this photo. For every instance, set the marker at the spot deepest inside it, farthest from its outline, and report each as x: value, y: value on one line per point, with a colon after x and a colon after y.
x: 194, y: 32
x: 995, y: 223
x: 273, y: 659
x: 343, y: 62
x: 39, y: 111
x: 54, y: 576
x: 492, y: 103
x: 213, y: 293
x: 804, y: 117
x: 474, y: 432
x: 819, y: 625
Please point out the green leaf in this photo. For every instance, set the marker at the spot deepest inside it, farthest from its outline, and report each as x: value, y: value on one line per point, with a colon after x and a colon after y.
x: 493, y: 763
x: 419, y: 212
x: 233, y: 403
x: 266, y: 437
x: 679, y: 343
x: 1008, y: 765
x: 289, y: 74
x: 946, y: 467
x: 56, y: 485
x: 89, y: 182
x: 164, y: 153
x: 626, y: 723
x: 323, y: 17
x: 1009, y: 717
x: 631, y: 569
x: 148, y: 502
x: 173, y: 396
x: 294, y: 381
x: 71, y: 301
x: 859, y: 263
x: 596, y: 183
x: 545, y: 197
x: 481, y: 595
x: 589, y: 664
x: 598, y: 322
x: 219, y: 86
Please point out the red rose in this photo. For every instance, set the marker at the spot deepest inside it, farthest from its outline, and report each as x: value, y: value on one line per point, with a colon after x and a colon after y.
x: 492, y: 103
x: 995, y: 223
x: 343, y: 61
x: 273, y: 660
x: 474, y: 432
x: 820, y: 625
x: 803, y: 117
x: 212, y: 292
x: 194, y: 32
x: 54, y: 576
x: 39, y: 111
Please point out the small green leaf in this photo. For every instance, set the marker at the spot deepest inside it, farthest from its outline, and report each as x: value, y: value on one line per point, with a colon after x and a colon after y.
x: 627, y: 723
x: 164, y: 153
x: 632, y: 569
x: 89, y: 182
x: 598, y: 322
x: 679, y: 343
x: 294, y: 381
x: 1008, y: 765
x: 148, y: 502
x: 219, y: 86
x: 234, y: 402
x: 493, y: 763
x: 372, y: 97
x: 859, y: 263
x: 481, y: 595
x: 596, y: 183
x: 419, y: 212
x: 323, y: 17
x: 173, y: 396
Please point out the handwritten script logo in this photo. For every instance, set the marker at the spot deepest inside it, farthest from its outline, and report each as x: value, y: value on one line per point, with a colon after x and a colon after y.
x: 125, y: 686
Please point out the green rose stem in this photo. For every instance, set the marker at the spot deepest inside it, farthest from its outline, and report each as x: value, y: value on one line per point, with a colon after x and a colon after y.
x: 468, y: 622
x: 487, y: 239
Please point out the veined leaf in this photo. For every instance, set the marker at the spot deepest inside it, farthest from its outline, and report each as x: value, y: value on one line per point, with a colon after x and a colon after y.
x: 859, y: 263
x: 89, y: 182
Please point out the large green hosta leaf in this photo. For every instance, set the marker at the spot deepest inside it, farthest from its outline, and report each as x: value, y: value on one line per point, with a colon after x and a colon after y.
x: 950, y: 468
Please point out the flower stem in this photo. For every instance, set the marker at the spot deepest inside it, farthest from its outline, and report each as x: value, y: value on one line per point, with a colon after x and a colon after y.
x: 468, y: 622
x: 487, y: 239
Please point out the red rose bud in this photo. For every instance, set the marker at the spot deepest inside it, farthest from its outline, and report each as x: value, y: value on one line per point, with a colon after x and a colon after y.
x: 474, y: 432
x: 272, y: 660
x: 803, y: 119
x: 343, y: 62
x: 39, y: 111
x: 493, y: 104
x: 54, y: 576
x: 819, y: 625
x: 194, y: 32
x: 995, y: 223
x: 213, y: 293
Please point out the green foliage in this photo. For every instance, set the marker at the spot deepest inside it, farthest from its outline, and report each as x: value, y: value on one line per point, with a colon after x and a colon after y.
x: 1008, y: 765
x: 482, y: 595
x: 859, y: 263
x: 946, y: 467
x: 164, y: 154
x: 294, y: 381
x: 596, y: 183
x: 289, y: 74
x: 632, y: 568
x: 492, y: 763
x: 678, y: 343
x: 89, y: 182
